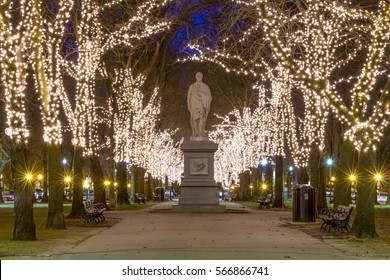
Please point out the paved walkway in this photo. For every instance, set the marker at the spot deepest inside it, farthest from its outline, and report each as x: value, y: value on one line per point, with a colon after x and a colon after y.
x: 158, y: 234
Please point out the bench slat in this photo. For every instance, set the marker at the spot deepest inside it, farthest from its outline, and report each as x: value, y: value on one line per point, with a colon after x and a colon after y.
x: 94, y: 212
x: 337, y: 218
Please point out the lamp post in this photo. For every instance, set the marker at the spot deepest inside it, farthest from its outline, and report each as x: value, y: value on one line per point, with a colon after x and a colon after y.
x: 378, y: 178
x: 329, y: 163
x: 29, y: 179
x: 289, y: 180
x: 64, y: 163
x: 116, y: 194
x: 107, y: 184
x: 332, y: 180
x: 263, y: 189
x: 146, y: 184
x: 352, y: 178
x: 250, y: 184
x: 263, y: 164
x: 67, y: 181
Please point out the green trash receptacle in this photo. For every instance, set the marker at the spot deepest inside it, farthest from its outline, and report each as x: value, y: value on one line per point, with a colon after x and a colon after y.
x: 304, y: 204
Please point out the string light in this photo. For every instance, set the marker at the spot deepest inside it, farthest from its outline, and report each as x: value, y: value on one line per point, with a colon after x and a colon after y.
x: 312, y: 45
x: 45, y: 35
x: 365, y: 126
x: 14, y: 67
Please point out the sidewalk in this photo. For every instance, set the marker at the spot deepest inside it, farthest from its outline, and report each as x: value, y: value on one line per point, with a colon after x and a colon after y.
x: 157, y: 233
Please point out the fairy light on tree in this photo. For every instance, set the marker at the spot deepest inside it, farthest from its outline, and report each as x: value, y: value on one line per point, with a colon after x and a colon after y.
x: 134, y: 123
x: 246, y: 136
x: 164, y: 158
x: 16, y: 29
x: 318, y: 43
x: 364, y: 122
x: 49, y: 28
x: 14, y: 63
x: 94, y: 39
x: 246, y: 54
x: 95, y: 36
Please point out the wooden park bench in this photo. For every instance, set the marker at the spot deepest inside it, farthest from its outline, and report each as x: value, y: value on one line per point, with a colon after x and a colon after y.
x: 140, y: 198
x: 94, y: 212
x: 265, y: 201
x: 337, y: 218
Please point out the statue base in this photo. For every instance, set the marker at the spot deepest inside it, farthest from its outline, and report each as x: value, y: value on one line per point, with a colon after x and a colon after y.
x: 199, y: 191
x: 199, y: 138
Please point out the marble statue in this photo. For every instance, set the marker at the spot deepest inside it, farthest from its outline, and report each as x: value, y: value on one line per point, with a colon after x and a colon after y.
x: 198, y: 101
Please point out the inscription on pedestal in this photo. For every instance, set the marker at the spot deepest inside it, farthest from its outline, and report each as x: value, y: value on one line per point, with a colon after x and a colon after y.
x: 199, y: 166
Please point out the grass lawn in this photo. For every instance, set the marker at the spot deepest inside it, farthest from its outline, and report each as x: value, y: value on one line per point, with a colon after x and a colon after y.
x: 74, y: 233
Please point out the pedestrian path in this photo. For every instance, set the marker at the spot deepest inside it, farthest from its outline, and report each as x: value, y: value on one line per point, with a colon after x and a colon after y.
x: 157, y: 233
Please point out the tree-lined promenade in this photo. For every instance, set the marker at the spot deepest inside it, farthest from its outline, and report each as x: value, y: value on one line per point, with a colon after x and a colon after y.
x: 100, y: 84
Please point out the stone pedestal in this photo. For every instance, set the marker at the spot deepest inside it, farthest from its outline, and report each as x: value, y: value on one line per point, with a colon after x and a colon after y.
x: 199, y: 191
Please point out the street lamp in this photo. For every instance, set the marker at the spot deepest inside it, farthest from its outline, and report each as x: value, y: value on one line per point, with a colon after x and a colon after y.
x: 264, y: 188
x: 289, y: 181
x: 264, y: 162
x: 116, y: 193
x: 329, y: 163
x: 29, y: 177
x: 378, y: 177
x: 64, y: 163
x: 332, y: 180
x: 67, y: 181
x: 352, y: 178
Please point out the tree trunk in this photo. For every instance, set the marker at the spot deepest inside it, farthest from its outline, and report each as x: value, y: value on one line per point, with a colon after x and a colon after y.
x: 97, y: 180
x: 133, y: 178
x: 55, y: 213
x: 364, y: 223
x: 244, y: 193
x: 77, y: 167
x: 24, y: 226
x: 141, y: 180
x: 278, y: 198
x: 321, y: 195
x: 342, y: 186
x: 255, y: 182
x: 121, y: 179
x: 149, y: 187
x: 317, y: 178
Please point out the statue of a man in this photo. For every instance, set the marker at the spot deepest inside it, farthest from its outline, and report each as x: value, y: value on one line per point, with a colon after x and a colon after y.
x: 198, y: 101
